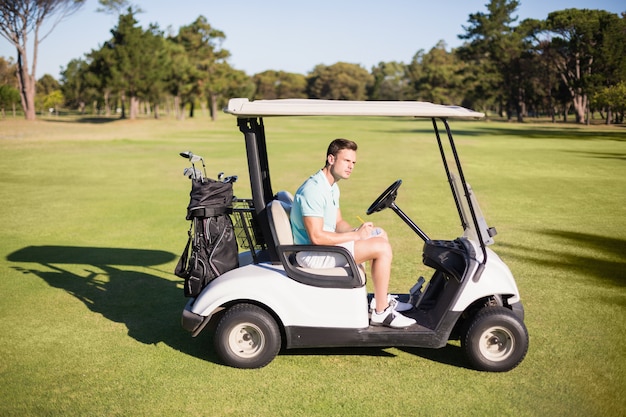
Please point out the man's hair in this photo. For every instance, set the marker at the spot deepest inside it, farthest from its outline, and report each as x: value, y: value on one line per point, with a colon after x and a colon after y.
x: 338, y: 145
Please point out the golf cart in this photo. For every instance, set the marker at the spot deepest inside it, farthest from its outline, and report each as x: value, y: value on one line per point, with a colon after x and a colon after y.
x: 269, y: 302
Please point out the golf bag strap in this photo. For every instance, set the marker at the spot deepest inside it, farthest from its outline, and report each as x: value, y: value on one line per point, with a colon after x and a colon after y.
x: 208, y: 211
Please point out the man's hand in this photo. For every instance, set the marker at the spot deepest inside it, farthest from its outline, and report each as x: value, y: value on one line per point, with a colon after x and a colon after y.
x: 365, y: 230
x: 368, y: 230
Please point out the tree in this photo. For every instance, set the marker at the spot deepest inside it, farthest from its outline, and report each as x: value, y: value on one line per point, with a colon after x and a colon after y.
x: 116, y: 7
x: 237, y: 83
x: 613, y: 49
x: 518, y: 67
x: 9, y: 97
x: 438, y: 79
x: 155, y: 79
x: 20, y: 18
x: 178, y: 78
x: 488, y: 51
x: 390, y: 82
x: 577, y: 38
x: 137, y: 61
x: 8, y: 72
x: 340, y: 81
x: 541, y: 79
x: 47, y: 84
x: 224, y: 82
x: 202, y: 43
x: 613, y: 99
x: 53, y: 100
x: 279, y: 84
x: 610, y: 78
x: 414, y: 72
x: 49, y: 94
x: 102, y: 75
x: 74, y: 85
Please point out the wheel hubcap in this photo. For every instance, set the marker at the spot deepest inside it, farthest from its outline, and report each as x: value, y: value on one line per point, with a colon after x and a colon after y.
x: 496, y: 344
x: 246, y: 340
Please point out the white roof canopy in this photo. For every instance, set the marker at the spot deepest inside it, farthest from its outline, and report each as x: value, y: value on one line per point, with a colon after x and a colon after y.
x: 242, y: 107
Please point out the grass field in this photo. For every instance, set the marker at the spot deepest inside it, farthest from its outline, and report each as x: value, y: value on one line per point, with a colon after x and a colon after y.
x: 92, y: 222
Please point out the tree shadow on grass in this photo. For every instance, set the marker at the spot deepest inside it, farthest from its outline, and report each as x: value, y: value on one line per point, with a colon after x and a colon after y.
x: 564, y: 131
x: 611, y: 269
x: 97, y: 120
x: 618, y: 156
x: 594, y: 256
x: 148, y: 305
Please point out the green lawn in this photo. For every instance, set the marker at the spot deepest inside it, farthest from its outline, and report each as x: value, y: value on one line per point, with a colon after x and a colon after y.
x: 92, y: 220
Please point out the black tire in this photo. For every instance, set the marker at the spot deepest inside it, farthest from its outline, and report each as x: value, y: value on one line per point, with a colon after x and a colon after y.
x: 495, y: 340
x: 247, y: 337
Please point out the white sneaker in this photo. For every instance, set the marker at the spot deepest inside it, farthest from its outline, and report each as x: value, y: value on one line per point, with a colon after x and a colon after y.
x: 391, y: 318
x: 400, y: 306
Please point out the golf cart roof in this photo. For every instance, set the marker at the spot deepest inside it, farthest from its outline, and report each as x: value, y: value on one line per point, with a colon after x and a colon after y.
x: 243, y: 108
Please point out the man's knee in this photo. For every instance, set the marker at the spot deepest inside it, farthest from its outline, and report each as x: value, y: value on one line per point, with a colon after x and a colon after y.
x: 383, y: 248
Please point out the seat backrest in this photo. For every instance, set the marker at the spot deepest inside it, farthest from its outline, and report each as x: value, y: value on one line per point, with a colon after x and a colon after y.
x: 280, y: 224
x: 285, y: 197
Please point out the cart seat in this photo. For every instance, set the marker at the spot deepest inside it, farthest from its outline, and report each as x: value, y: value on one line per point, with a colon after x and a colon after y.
x: 350, y: 276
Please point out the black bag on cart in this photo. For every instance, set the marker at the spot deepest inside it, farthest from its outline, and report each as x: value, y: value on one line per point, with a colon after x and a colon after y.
x: 212, y: 247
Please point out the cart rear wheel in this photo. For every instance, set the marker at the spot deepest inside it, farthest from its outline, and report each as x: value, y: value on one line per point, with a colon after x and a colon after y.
x: 247, y: 337
x: 496, y: 340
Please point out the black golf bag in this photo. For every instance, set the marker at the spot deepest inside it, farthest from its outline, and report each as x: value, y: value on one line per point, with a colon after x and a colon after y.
x: 212, y: 247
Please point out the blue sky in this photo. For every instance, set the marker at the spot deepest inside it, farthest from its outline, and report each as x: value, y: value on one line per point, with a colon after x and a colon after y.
x: 295, y: 35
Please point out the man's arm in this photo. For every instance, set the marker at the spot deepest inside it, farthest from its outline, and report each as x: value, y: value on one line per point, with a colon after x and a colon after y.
x: 342, y: 225
x: 364, y: 230
x: 344, y: 232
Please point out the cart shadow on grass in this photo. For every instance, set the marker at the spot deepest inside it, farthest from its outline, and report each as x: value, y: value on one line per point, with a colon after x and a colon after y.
x: 448, y: 355
x: 114, y: 282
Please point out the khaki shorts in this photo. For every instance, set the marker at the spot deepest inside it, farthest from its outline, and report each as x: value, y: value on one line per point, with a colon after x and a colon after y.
x: 322, y: 260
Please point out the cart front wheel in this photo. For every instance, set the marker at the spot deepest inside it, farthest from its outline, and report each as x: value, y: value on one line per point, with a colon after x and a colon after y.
x: 247, y: 337
x: 496, y: 340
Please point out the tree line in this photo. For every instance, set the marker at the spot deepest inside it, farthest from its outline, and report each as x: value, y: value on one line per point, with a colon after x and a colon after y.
x: 573, y: 63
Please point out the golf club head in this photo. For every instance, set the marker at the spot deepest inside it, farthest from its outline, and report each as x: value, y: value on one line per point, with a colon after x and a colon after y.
x: 193, y: 158
x: 192, y: 173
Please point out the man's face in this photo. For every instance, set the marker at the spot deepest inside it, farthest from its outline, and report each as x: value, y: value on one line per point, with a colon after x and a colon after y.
x: 342, y: 165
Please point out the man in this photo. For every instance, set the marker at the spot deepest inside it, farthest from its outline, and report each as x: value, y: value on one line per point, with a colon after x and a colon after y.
x: 316, y: 219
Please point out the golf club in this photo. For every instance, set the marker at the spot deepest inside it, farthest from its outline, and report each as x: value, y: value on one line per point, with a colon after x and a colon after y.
x: 192, y: 173
x: 194, y: 158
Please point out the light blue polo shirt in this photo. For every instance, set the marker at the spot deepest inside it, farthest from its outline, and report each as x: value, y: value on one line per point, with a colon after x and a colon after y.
x: 315, y: 198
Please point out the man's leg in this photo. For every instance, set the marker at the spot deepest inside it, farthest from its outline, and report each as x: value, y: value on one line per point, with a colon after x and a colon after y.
x: 378, y: 251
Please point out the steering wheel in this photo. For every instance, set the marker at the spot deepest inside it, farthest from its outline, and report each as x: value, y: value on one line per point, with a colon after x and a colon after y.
x: 386, y: 199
